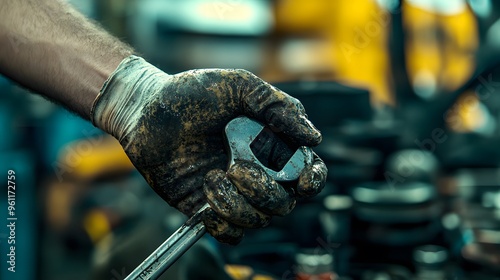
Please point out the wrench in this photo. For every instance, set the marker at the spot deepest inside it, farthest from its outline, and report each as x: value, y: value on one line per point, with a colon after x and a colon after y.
x: 240, y: 133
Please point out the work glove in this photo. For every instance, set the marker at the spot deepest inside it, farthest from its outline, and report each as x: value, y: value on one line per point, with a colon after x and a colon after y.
x: 171, y: 127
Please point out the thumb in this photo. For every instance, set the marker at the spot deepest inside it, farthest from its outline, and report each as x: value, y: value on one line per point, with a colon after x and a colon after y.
x: 279, y: 110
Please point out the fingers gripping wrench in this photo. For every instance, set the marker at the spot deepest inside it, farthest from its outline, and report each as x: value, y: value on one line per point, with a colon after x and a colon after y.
x: 241, y: 132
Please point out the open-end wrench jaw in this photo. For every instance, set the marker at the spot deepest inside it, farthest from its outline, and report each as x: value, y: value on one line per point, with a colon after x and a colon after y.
x: 241, y: 132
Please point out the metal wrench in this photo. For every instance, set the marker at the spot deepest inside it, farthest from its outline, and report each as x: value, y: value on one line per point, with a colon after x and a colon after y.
x: 240, y: 133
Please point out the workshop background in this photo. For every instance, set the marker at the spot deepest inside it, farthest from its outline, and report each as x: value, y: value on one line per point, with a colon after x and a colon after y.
x: 406, y: 93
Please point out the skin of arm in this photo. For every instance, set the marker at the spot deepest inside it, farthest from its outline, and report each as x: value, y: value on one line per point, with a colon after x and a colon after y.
x: 50, y: 48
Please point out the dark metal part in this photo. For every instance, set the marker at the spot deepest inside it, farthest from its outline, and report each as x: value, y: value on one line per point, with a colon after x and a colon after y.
x: 240, y: 133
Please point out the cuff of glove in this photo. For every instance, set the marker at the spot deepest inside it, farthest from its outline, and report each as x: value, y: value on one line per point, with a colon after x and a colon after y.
x: 119, y: 105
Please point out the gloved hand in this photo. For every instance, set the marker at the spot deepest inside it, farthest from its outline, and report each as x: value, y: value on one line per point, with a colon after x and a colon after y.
x: 171, y: 127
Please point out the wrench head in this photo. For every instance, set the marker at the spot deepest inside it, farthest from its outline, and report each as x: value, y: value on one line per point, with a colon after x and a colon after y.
x: 241, y: 132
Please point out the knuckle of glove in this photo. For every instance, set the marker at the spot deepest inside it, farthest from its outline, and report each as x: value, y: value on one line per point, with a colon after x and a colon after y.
x: 260, y: 189
x: 236, y: 77
x: 313, y: 179
x: 245, y: 75
x: 224, y: 199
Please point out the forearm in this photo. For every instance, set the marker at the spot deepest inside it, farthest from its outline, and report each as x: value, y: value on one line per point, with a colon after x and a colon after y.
x: 48, y: 47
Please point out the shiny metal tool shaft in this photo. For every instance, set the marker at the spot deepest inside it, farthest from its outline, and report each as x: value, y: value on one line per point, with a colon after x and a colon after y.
x: 172, y: 249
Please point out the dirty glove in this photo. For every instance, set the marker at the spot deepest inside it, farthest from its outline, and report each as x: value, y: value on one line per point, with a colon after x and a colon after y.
x: 171, y: 127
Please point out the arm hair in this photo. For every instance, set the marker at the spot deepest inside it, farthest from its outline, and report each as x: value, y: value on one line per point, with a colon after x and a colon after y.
x: 50, y: 48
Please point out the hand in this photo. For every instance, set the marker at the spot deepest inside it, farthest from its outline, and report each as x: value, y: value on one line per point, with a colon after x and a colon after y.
x: 171, y: 127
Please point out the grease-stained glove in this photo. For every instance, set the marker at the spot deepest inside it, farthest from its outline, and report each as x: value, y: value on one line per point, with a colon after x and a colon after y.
x: 171, y: 127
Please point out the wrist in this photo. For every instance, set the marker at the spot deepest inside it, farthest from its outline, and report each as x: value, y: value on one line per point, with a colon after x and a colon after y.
x: 118, y: 106
x: 95, y: 80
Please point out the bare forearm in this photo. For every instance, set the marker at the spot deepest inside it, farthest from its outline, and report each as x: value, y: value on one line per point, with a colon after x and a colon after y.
x: 48, y: 47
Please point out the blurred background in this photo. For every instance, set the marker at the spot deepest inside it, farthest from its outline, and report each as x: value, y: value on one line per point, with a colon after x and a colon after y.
x: 406, y: 94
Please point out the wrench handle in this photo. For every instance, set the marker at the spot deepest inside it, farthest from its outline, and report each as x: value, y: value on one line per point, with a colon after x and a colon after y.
x: 172, y: 249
